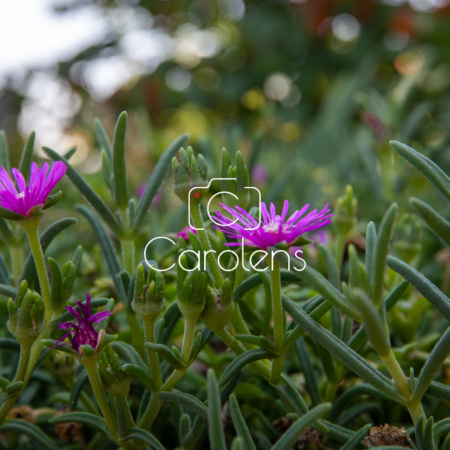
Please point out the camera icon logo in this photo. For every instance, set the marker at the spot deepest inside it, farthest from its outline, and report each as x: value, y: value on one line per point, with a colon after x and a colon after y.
x: 196, y: 194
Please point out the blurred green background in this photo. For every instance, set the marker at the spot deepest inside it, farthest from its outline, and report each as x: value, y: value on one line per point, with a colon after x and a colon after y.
x: 310, y: 91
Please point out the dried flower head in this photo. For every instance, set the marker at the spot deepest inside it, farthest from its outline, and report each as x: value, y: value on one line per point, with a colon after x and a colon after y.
x: 387, y: 435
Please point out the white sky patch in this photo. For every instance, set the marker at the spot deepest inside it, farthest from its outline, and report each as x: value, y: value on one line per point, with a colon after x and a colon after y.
x: 32, y: 35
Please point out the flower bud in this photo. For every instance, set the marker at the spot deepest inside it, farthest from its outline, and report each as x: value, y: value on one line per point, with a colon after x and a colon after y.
x: 189, y: 174
x: 238, y: 188
x: 116, y: 381
x: 148, y: 298
x: 26, y: 315
x: 345, y: 212
x: 407, y: 240
x: 219, y: 308
x: 64, y: 365
x: 191, y: 287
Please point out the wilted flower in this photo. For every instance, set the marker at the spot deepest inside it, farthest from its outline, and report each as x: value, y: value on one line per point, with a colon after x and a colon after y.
x: 183, y: 233
x: 274, y: 228
x: 35, y: 193
x: 84, y: 332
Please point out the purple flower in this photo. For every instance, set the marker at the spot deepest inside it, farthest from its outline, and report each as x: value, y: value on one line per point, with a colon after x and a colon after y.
x: 140, y: 192
x: 274, y: 229
x: 30, y: 196
x: 84, y: 332
x: 260, y: 174
x: 183, y: 233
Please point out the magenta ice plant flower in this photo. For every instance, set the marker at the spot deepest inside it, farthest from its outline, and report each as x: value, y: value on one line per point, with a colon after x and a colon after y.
x: 26, y: 197
x: 183, y: 233
x: 274, y: 228
x: 84, y: 332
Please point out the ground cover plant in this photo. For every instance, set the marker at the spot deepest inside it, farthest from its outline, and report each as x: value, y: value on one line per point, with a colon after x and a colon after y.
x: 256, y: 326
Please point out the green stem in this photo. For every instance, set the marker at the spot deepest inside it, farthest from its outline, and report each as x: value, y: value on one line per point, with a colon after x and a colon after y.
x: 136, y: 333
x: 31, y: 226
x: 155, y: 404
x: 206, y: 245
x: 277, y: 310
x: 225, y: 336
x: 97, y: 387
x: 415, y: 409
x: 151, y: 412
x: 240, y: 326
x: 149, y: 335
x: 128, y: 255
x: 188, y: 339
x: 124, y: 418
x: 24, y: 359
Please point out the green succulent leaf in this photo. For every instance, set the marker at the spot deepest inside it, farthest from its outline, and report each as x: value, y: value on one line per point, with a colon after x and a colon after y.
x: 290, y: 437
x: 155, y: 180
x: 436, y: 297
x: 144, y: 436
x: 424, y: 165
x: 434, y: 220
x: 215, y: 425
x: 241, y: 361
x: 35, y: 434
x: 186, y: 400
x: 239, y: 424
x: 88, y: 193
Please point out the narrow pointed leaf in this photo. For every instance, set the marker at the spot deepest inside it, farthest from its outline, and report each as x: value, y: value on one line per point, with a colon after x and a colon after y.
x: 186, y: 400
x: 77, y: 387
x: 96, y: 422
x: 140, y: 374
x: 350, y: 396
x: 4, y: 154
x: 215, y: 425
x: 381, y: 252
x: 102, y: 138
x: 308, y: 371
x: 346, y: 355
x: 239, y: 424
x: 127, y: 353
x: 290, y: 437
x: 424, y: 165
x: 434, y: 220
x: 167, y: 354
x: 144, y: 436
x: 355, y: 441
x: 119, y: 166
x: 321, y: 285
x: 241, y: 361
x: 106, y: 245
x: 35, y: 434
x: 8, y: 291
x: 436, y: 297
x: 432, y: 366
x: 371, y: 243
x: 88, y: 193
x: 156, y: 179
x: 291, y: 397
